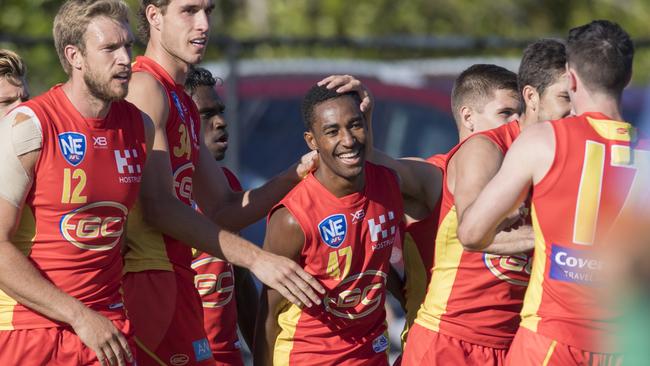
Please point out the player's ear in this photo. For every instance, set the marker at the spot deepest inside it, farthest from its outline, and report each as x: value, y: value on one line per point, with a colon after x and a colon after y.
x: 310, y: 140
x: 153, y: 14
x: 572, y: 78
x: 73, y: 56
x: 531, y: 97
x: 465, y: 114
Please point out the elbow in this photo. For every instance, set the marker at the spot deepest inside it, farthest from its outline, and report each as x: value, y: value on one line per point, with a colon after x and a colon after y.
x: 470, y: 238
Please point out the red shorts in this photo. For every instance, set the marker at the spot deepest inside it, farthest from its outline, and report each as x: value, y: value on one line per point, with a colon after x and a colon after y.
x: 56, y: 346
x: 167, y: 316
x: 228, y: 358
x: 530, y: 348
x: 426, y: 347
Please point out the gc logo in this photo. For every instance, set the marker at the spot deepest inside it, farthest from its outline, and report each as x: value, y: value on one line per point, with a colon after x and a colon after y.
x: 216, y: 287
x: 359, y: 301
x: 514, y: 269
x: 183, y: 182
x: 97, y: 226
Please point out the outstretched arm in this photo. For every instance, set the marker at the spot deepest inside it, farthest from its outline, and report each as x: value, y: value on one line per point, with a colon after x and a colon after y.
x: 163, y: 211
x: 284, y: 237
x: 525, y: 164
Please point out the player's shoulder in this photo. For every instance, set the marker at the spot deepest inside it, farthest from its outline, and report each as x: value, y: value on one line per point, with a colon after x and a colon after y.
x: 150, y: 96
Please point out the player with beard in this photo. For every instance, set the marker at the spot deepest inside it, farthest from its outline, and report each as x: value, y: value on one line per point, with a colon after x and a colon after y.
x: 13, y: 86
x: 585, y: 172
x: 340, y: 224
x: 217, y: 280
x: 158, y: 286
x: 72, y: 161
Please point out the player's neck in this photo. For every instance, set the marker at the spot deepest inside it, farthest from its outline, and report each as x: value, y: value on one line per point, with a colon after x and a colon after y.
x: 527, y: 119
x: 337, y: 185
x: 174, y: 66
x: 84, y: 102
x: 597, y: 102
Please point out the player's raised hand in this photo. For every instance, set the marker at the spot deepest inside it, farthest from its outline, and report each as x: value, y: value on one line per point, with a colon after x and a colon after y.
x: 348, y: 83
x: 307, y: 163
x: 100, y: 335
x: 288, y: 278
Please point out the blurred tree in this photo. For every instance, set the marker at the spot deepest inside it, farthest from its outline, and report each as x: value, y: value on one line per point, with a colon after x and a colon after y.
x: 518, y: 19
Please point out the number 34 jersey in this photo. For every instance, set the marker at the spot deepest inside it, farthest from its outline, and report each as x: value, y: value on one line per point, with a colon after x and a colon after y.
x: 86, y: 179
x: 348, y: 243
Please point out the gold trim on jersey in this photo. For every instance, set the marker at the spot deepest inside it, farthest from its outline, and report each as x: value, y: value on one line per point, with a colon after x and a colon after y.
x: 415, y: 286
x: 23, y: 239
x: 448, y: 253
x: 613, y: 130
x: 533, y: 299
x: 146, y: 249
x: 288, y: 318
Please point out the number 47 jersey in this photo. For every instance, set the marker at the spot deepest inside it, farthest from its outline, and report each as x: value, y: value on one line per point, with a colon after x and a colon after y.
x: 85, y: 181
x: 348, y: 243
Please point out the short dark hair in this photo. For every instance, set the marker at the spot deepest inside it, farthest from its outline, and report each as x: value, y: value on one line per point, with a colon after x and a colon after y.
x: 317, y: 95
x: 542, y: 63
x: 143, y: 23
x: 601, y: 52
x: 198, y: 76
x: 478, y: 83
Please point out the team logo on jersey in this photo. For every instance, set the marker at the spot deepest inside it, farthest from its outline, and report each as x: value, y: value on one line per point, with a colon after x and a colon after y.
x: 380, y: 344
x: 333, y: 230
x: 179, y: 359
x: 183, y: 182
x: 216, y: 289
x: 73, y: 147
x: 97, y: 226
x: 576, y: 265
x: 202, y: 350
x: 514, y: 269
x: 360, y: 301
x: 179, y: 106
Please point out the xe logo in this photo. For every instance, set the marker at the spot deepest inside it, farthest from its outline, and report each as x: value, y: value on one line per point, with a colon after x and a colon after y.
x: 73, y: 147
x: 380, y: 229
x: 333, y: 230
x: 358, y: 216
x: 99, y: 141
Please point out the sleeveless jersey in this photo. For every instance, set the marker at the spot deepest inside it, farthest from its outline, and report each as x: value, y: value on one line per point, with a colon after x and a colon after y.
x: 85, y: 181
x: 598, y: 172
x: 419, y: 240
x: 472, y: 296
x: 149, y: 249
x: 347, y: 248
x: 215, y: 281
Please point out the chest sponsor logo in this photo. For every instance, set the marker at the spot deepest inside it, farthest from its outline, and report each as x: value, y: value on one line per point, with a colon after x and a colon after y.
x: 183, y: 182
x: 128, y: 166
x: 98, y: 226
x: 202, y: 350
x: 217, y: 285
x: 73, y: 147
x: 357, y: 296
x: 382, y: 231
x: 514, y: 269
x: 380, y: 344
x: 100, y: 142
x: 575, y: 265
x: 333, y: 230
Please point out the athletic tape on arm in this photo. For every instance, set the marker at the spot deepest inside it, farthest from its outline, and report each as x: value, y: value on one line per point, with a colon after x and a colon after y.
x: 20, y: 133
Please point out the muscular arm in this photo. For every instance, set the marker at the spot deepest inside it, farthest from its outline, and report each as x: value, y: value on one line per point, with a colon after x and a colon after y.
x: 236, y: 210
x: 247, y: 300
x: 283, y: 237
x: 526, y: 163
x: 163, y: 211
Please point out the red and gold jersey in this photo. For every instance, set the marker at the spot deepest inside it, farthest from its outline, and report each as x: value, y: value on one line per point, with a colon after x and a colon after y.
x: 85, y: 181
x: 597, y: 172
x: 347, y: 248
x: 215, y: 281
x: 419, y: 240
x: 149, y: 249
x: 473, y: 296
